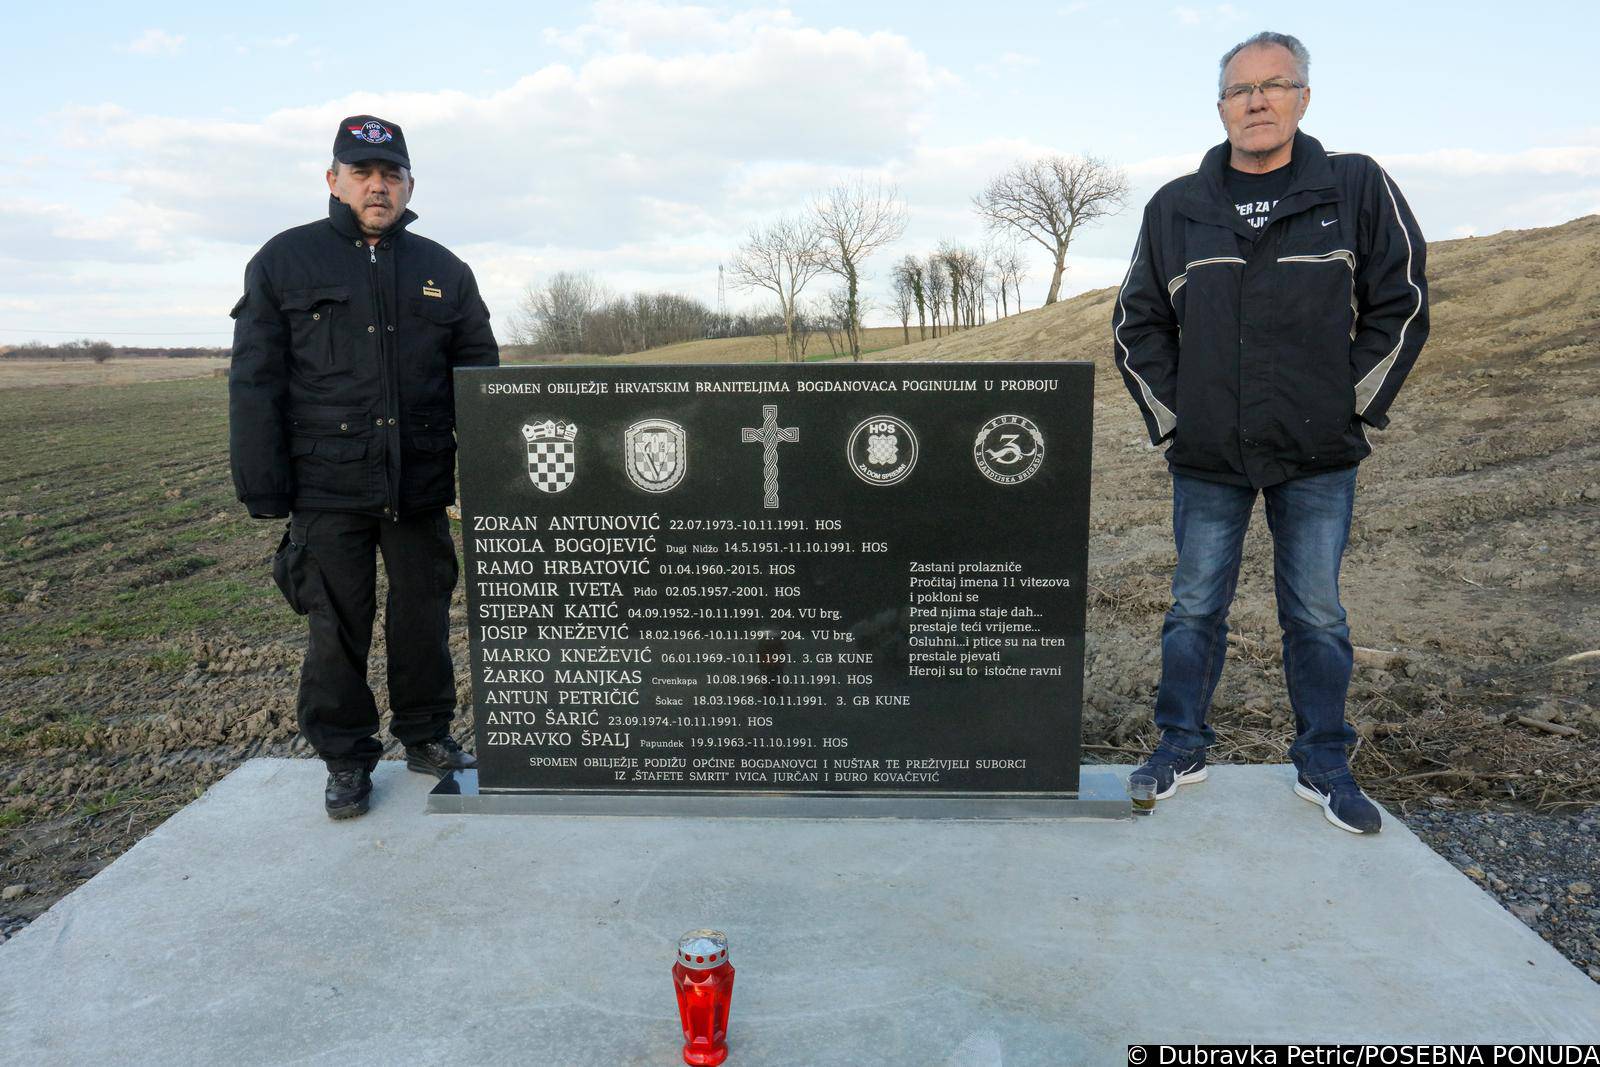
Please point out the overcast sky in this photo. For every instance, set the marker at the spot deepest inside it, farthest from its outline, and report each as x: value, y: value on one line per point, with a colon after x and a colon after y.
x: 149, y: 149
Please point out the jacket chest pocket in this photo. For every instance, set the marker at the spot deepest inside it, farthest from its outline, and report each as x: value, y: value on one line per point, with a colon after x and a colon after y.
x: 314, y: 317
x: 1321, y: 272
x: 433, y: 321
x: 1210, y: 265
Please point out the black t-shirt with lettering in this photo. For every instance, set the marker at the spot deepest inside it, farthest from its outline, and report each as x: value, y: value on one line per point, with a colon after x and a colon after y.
x: 1254, y: 194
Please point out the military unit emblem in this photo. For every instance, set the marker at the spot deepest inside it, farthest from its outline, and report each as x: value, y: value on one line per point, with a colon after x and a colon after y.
x: 371, y: 132
x: 1008, y: 449
x: 882, y: 450
x: 654, y: 454
x: 552, y: 453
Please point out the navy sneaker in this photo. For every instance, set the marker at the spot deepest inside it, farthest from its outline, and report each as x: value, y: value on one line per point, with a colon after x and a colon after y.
x: 1170, y: 771
x: 1343, y: 803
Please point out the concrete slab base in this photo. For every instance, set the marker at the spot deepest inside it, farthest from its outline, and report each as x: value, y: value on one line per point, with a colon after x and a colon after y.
x: 249, y: 929
x: 1101, y: 795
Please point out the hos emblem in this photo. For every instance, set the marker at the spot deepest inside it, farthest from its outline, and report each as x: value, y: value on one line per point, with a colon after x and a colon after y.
x: 882, y: 450
x: 552, y: 453
x: 654, y: 455
x: 1008, y: 449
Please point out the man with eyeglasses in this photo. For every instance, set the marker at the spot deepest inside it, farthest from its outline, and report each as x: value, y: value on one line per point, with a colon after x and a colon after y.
x: 1273, y: 307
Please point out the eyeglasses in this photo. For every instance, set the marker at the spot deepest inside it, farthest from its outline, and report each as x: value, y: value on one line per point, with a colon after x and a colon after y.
x: 1274, y: 89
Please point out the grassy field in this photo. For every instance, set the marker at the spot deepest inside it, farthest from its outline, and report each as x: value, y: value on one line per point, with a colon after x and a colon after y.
x: 132, y: 582
x: 113, y: 494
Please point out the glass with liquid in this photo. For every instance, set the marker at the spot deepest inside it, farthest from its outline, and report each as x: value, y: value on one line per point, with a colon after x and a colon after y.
x: 1142, y: 791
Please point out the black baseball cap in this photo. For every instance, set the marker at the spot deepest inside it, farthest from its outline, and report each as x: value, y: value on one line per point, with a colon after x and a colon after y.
x: 368, y: 137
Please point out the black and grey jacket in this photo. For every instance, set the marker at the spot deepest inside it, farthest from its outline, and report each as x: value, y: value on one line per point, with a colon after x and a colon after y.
x: 340, y: 393
x: 1261, y: 354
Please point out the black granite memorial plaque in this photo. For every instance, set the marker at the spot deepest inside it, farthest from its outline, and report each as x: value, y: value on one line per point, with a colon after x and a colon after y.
x: 837, y: 578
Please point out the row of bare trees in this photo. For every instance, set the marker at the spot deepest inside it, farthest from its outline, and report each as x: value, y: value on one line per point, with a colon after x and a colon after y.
x: 86, y: 348
x: 948, y: 289
x: 572, y: 312
x: 836, y: 234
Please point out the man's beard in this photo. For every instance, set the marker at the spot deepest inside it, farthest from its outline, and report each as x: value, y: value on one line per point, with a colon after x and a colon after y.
x: 372, y: 229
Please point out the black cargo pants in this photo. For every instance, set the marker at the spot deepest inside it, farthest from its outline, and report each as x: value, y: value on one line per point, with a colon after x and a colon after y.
x: 327, y: 570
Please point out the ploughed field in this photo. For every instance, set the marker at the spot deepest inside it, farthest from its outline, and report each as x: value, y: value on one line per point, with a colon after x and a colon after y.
x: 144, y: 651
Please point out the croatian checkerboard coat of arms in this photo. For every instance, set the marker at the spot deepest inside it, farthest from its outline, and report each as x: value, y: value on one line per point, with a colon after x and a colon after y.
x: 552, y: 453
x: 654, y: 454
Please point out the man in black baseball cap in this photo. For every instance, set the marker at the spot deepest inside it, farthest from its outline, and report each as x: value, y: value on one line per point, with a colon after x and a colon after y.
x: 368, y: 137
x: 341, y: 419
x: 371, y: 171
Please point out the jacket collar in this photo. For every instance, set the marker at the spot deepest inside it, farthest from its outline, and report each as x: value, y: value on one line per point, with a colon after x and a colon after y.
x: 344, y: 219
x: 1311, y: 183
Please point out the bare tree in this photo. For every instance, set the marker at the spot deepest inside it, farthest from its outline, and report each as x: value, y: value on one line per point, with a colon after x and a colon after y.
x: 854, y: 220
x: 552, y: 316
x: 1013, y: 266
x: 976, y: 276
x: 904, y: 303
x: 911, y: 272
x: 965, y: 270
x: 938, y: 287
x: 832, y: 313
x: 950, y: 259
x: 1047, y: 199
x: 781, y: 258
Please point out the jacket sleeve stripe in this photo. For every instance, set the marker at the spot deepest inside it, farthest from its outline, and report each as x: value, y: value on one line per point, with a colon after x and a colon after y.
x: 1367, y: 388
x: 1166, y: 420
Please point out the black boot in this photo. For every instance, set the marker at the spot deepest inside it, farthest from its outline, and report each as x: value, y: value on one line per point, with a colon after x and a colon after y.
x: 348, y: 791
x: 439, y: 758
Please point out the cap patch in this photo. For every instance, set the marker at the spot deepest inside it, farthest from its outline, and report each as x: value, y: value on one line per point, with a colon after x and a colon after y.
x: 371, y: 132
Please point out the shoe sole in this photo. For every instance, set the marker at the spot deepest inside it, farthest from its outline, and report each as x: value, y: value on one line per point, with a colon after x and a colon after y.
x: 427, y: 768
x: 349, y: 811
x: 1188, y: 778
x: 1327, y: 809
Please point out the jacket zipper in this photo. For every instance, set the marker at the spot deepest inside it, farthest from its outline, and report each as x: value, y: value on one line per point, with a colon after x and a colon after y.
x: 383, y: 374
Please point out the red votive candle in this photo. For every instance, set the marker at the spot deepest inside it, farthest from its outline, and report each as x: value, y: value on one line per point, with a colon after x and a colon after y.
x: 704, y: 980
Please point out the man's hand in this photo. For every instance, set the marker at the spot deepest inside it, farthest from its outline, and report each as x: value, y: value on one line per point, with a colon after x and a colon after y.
x: 268, y: 507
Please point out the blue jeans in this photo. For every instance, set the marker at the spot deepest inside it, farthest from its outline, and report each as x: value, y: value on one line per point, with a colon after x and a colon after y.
x: 1310, y: 523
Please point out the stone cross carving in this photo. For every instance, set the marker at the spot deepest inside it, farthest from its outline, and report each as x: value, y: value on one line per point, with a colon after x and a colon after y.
x: 769, y: 435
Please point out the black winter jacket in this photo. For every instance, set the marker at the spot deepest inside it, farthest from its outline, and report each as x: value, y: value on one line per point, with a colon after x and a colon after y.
x: 340, y: 395
x: 1261, y: 354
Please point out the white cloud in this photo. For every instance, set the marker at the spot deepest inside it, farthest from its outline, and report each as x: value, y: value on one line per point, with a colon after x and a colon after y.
x: 1007, y: 63
x: 1189, y: 16
x: 648, y: 155
x: 155, y: 43
x: 1574, y: 160
x: 645, y: 26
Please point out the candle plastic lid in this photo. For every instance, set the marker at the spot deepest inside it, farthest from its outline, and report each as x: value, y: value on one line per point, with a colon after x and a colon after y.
x: 701, y: 950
